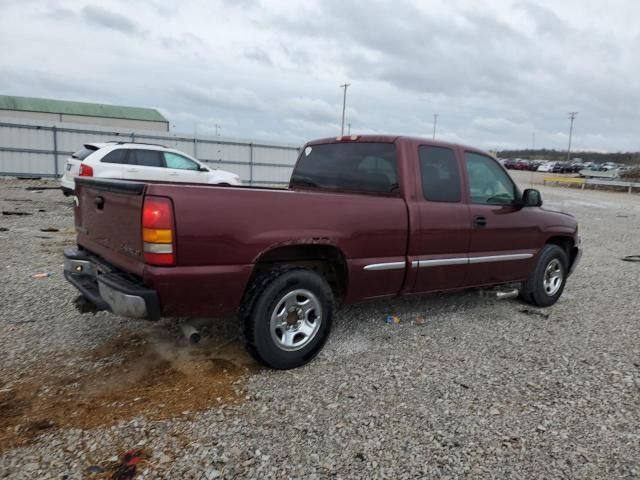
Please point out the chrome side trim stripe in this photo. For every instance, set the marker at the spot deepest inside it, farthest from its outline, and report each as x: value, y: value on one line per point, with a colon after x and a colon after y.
x: 385, y: 266
x: 500, y: 258
x: 443, y: 261
x: 439, y: 262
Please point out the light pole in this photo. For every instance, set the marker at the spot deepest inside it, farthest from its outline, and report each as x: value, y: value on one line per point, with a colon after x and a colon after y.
x: 348, y: 129
x: 572, y: 117
x: 435, y: 122
x: 344, y: 105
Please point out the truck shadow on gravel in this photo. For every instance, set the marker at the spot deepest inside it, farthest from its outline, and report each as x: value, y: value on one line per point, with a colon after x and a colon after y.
x: 132, y: 375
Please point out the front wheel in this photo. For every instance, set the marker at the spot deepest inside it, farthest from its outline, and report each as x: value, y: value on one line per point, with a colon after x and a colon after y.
x: 287, y: 317
x: 546, y: 283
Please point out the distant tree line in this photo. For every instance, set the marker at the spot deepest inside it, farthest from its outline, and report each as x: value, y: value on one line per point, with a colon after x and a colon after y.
x: 630, y: 158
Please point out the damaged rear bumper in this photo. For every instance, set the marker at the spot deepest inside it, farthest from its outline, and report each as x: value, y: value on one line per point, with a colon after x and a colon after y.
x: 108, y: 288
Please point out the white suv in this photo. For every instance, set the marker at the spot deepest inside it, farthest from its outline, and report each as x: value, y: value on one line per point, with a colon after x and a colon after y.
x: 139, y: 161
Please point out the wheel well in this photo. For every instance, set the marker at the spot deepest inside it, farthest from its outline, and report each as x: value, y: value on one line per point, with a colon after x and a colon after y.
x: 326, y: 260
x: 566, y: 243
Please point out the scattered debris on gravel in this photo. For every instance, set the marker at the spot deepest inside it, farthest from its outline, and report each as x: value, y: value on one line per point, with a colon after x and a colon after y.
x: 463, y: 386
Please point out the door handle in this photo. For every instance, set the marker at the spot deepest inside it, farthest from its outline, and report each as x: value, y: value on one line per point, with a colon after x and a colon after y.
x: 132, y: 169
x: 480, y: 221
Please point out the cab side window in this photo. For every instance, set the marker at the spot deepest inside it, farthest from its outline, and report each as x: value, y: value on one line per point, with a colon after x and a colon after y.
x: 440, y: 175
x: 489, y: 184
x: 145, y: 158
x: 173, y: 160
x: 116, y: 156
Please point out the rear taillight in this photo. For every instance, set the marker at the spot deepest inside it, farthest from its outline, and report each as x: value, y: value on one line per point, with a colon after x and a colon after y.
x: 158, y: 231
x: 85, y: 170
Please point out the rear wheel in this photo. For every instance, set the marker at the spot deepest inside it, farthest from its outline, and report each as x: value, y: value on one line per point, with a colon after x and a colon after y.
x: 546, y: 283
x: 287, y: 317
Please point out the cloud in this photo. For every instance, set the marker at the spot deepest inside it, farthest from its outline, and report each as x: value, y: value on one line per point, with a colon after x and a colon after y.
x: 495, y: 74
x: 232, y: 98
x: 111, y: 20
x: 58, y: 13
x: 314, y: 109
x: 259, y: 55
x: 184, y: 43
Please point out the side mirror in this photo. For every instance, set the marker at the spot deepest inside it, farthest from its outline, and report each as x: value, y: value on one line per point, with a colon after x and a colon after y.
x: 203, y: 169
x: 531, y: 198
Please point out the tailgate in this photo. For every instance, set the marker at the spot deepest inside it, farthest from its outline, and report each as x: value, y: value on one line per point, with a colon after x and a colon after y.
x: 108, y: 220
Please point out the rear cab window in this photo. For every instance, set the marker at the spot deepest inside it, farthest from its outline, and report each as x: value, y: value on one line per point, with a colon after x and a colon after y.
x: 359, y: 167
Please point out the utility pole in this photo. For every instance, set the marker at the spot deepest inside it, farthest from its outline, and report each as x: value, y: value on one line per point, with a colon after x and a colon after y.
x: 435, y: 122
x: 348, y: 129
x: 572, y: 117
x: 218, y: 128
x: 344, y: 105
x: 533, y: 141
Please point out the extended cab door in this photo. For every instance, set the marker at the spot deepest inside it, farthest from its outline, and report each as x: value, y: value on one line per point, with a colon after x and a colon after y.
x: 145, y: 165
x: 503, y: 235
x: 440, y: 238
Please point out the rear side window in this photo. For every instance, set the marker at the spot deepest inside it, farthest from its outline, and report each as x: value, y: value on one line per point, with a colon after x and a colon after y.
x: 82, y: 154
x: 145, y: 158
x: 173, y: 160
x: 440, y: 174
x: 357, y: 167
x: 116, y: 156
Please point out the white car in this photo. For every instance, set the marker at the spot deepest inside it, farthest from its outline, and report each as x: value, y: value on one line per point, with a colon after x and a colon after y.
x: 547, y: 167
x: 139, y: 161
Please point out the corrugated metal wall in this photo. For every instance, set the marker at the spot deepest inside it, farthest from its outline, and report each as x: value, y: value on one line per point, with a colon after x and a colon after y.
x: 41, y: 148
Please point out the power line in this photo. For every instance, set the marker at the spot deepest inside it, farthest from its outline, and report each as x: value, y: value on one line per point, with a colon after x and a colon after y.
x: 344, y: 105
x: 572, y: 117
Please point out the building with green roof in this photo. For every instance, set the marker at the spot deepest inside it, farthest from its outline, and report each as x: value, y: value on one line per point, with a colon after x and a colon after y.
x: 64, y: 111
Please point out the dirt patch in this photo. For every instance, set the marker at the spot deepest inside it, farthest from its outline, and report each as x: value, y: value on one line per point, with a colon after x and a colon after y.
x: 132, y: 375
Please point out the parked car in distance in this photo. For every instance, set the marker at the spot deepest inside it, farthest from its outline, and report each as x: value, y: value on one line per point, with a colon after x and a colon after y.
x: 534, y: 164
x: 547, y: 167
x: 365, y: 217
x: 521, y: 165
x: 577, y: 166
x: 509, y: 163
x: 139, y: 161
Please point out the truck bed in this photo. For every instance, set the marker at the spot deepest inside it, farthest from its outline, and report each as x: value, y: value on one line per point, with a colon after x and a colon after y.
x: 222, y: 232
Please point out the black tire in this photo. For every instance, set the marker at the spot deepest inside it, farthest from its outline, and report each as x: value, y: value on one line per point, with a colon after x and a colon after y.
x: 533, y: 290
x: 267, y: 293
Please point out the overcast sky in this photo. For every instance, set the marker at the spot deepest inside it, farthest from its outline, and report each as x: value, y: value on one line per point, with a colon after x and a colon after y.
x: 495, y: 71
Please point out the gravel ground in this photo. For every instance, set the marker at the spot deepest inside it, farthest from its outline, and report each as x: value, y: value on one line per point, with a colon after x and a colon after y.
x: 482, y: 390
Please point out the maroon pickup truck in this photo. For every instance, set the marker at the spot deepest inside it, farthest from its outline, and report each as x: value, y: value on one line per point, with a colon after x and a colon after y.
x: 364, y: 217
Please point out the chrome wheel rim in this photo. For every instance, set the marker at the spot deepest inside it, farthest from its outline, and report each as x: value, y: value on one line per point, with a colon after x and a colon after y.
x: 553, y: 276
x: 295, y: 320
